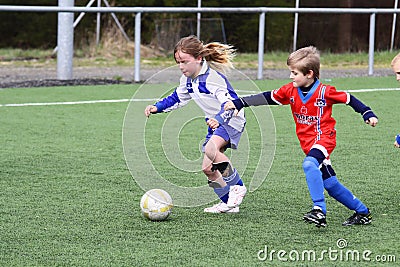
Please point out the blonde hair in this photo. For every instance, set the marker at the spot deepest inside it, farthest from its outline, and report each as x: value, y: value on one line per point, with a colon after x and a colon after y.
x: 395, y: 60
x: 219, y: 56
x: 305, y: 59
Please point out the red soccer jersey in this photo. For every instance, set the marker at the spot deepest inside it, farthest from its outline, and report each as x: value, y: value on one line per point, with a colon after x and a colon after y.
x: 312, y: 113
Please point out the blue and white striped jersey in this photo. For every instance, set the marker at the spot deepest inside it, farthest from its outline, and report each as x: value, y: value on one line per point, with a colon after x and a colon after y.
x: 210, y: 90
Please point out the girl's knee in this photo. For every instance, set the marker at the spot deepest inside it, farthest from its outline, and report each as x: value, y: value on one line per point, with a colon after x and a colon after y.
x: 210, y: 151
x: 207, y: 170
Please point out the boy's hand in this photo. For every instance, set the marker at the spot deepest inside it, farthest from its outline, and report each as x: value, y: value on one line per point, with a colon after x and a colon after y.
x: 229, y: 105
x: 150, y: 109
x: 373, y: 121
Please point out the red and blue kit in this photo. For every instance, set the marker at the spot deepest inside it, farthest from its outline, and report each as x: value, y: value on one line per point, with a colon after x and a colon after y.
x: 312, y: 112
x: 315, y: 128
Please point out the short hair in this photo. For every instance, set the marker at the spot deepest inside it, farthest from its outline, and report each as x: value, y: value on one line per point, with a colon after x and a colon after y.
x: 395, y: 59
x: 305, y: 59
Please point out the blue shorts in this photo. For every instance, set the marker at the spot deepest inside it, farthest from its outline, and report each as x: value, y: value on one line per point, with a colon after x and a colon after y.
x: 229, y: 134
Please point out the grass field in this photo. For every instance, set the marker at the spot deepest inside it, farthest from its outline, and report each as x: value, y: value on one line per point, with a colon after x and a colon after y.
x: 68, y: 198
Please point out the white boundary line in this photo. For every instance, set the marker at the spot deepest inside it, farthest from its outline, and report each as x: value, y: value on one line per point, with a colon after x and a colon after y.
x: 372, y: 90
x: 77, y: 102
x: 155, y: 99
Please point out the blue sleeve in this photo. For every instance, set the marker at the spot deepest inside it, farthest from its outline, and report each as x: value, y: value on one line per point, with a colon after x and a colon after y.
x: 167, y: 102
x: 359, y: 107
x: 254, y: 100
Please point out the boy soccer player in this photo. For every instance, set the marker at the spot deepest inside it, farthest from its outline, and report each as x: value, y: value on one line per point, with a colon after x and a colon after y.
x: 203, y: 80
x: 311, y: 104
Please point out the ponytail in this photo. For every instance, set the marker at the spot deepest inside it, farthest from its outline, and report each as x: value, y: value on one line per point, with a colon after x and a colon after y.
x: 219, y: 56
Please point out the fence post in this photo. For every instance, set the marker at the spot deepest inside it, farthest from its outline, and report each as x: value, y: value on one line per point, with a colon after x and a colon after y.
x: 98, y: 17
x: 261, y: 35
x: 296, y: 23
x: 396, y: 2
x: 137, y: 46
x: 65, y: 41
x: 371, y: 44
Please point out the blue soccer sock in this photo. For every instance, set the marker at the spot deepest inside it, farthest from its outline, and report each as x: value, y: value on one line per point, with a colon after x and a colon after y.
x: 222, y: 193
x: 314, y: 182
x: 233, y: 179
x: 343, y: 195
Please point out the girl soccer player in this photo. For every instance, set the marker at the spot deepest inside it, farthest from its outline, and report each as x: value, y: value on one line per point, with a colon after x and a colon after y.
x: 203, y: 80
x: 311, y: 104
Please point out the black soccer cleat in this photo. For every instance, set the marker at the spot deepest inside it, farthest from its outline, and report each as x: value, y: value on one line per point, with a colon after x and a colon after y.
x: 358, y: 219
x: 315, y: 216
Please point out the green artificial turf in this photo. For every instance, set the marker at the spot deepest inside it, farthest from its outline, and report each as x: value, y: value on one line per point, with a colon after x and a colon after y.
x: 68, y: 197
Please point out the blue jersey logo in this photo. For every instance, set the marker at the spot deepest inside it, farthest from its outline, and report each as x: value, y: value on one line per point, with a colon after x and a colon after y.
x: 320, y: 102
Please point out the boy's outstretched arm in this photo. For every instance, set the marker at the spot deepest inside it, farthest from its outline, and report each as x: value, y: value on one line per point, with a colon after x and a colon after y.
x: 252, y: 100
x: 367, y: 113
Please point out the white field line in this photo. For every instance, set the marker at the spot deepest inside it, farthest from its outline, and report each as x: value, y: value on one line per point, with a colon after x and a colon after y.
x: 77, y: 102
x: 372, y: 90
x: 155, y: 99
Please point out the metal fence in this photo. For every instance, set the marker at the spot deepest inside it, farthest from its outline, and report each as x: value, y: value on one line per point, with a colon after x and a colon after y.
x: 66, y: 10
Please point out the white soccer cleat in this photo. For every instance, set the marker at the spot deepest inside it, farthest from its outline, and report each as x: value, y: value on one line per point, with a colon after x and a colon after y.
x: 236, y: 195
x: 221, y: 208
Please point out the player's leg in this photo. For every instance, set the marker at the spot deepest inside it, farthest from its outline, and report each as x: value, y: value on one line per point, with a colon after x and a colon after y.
x: 237, y: 190
x: 222, y: 177
x: 222, y: 171
x: 212, y: 152
x: 339, y: 192
x: 220, y: 187
x: 315, y: 185
x: 342, y: 194
x: 224, y: 166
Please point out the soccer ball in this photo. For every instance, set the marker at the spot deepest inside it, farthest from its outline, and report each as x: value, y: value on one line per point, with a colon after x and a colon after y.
x: 156, y: 205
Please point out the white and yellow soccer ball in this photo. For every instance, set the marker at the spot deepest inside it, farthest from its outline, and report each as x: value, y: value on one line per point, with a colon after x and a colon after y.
x: 156, y: 205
